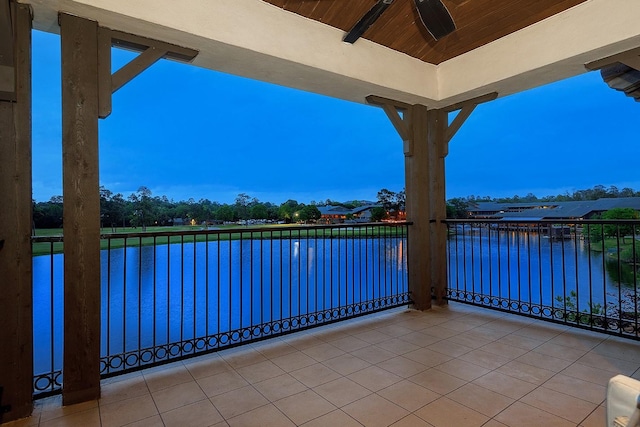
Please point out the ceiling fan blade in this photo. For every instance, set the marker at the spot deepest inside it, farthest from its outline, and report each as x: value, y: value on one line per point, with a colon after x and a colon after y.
x: 367, y: 21
x: 435, y: 17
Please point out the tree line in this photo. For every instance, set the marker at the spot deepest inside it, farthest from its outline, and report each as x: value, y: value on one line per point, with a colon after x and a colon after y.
x: 142, y: 209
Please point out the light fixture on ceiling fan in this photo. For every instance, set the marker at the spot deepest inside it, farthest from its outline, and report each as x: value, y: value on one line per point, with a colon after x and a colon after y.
x: 433, y: 13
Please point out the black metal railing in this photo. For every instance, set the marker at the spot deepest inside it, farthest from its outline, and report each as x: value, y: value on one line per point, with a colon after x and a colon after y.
x: 172, y: 295
x: 582, y: 273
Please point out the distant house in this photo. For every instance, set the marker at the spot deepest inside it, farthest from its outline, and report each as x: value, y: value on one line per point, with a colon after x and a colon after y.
x: 338, y: 214
x: 550, y: 210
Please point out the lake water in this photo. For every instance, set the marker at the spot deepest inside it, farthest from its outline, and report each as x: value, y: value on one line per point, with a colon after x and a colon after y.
x: 152, y: 296
x: 534, y: 269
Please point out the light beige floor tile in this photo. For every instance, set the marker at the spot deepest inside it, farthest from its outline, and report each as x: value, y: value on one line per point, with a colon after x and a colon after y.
x: 560, y: 404
x: 242, y: 356
x: 238, y: 401
x: 411, y: 421
x: 372, y: 337
x: 560, y: 351
x: 201, y: 413
x: 494, y: 423
x: 122, y: 377
x: 33, y: 420
x: 153, y: 421
x: 523, y: 415
x: 177, y: 396
x: 374, y: 378
x: 264, y: 416
x: 480, y: 399
x: 206, y: 366
x: 526, y: 372
x: 221, y: 383
x: 427, y: 357
x: 597, y: 418
x: 538, y: 332
x: 314, y: 375
x: 445, y: 412
x: 505, y: 350
x: 293, y: 361
x: 470, y: 339
x: 273, y: 348
x: 437, y: 381
x: 402, y: 366
x: 440, y: 332
x: 166, y: 376
x: 408, y: 395
x: 463, y: 370
x: 420, y: 339
x: 57, y: 411
x: 373, y: 354
x: 599, y: 361
x: 335, y: 418
x: 460, y: 326
x: 505, y: 385
x: 280, y: 387
x: 302, y: 342
x: 349, y: 343
x: 575, y: 387
x: 122, y: 390
x: 589, y: 373
x: 620, y: 349
x: 449, y: 348
x: 520, y: 342
x: 578, y: 339
x: 342, y: 391
x: 305, y: 406
x: 346, y: 364
x: 395, y: 330
x: 485, y: 359
x: 260, y: 371
x: 397, y: 346
x: 90, y: 418
x: 544, y: 361
x: 323, y: 352
x: 374, y: 410
x: 127, y: 411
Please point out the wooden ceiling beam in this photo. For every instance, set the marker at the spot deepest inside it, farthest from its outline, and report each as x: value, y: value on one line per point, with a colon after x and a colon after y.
x: 630, y: 58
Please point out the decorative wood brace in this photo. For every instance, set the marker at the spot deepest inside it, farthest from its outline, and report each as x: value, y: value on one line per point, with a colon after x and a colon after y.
x: 150, y: 52
x: 399, y: 114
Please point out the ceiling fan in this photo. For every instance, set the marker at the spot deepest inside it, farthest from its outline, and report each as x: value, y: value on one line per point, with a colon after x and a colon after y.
x: 433, y: 13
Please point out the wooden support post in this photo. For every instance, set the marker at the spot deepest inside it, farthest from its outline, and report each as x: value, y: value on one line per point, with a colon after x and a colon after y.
x: 426, y: 135
x: 81, y: 215
x: 418, y: 207
x: 16, y: 317
x: 426, y: 207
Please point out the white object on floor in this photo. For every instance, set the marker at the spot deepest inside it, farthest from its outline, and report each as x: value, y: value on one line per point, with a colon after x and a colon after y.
x: 623, y: 402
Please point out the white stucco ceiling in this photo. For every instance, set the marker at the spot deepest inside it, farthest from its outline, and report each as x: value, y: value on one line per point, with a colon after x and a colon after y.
x: 254, y: 39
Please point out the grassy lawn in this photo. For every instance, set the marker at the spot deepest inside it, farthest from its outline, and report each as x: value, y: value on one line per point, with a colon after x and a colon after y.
x: 613, y: 246
x: 221, y: 232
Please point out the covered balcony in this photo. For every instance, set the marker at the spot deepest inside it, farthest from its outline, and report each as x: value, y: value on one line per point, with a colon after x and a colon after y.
x: 449, y: 366
x: 116, y: 355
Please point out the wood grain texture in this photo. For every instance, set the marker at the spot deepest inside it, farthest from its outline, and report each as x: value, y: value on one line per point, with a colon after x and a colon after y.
x: 81, y: 215
x: 16, y: 299
x: 478, y: 22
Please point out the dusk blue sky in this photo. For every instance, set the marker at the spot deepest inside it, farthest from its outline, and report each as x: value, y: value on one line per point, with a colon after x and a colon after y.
x: 187, y: 132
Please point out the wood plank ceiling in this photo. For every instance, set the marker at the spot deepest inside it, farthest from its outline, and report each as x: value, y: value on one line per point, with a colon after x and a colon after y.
x: 478, y: 22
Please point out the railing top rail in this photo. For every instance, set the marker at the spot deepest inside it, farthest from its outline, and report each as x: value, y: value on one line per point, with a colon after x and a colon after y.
x: 253, y: 231
x: 544, y: 221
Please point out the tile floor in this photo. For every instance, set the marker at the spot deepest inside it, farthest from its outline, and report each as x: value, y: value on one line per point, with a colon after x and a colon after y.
x: 451, y: 366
